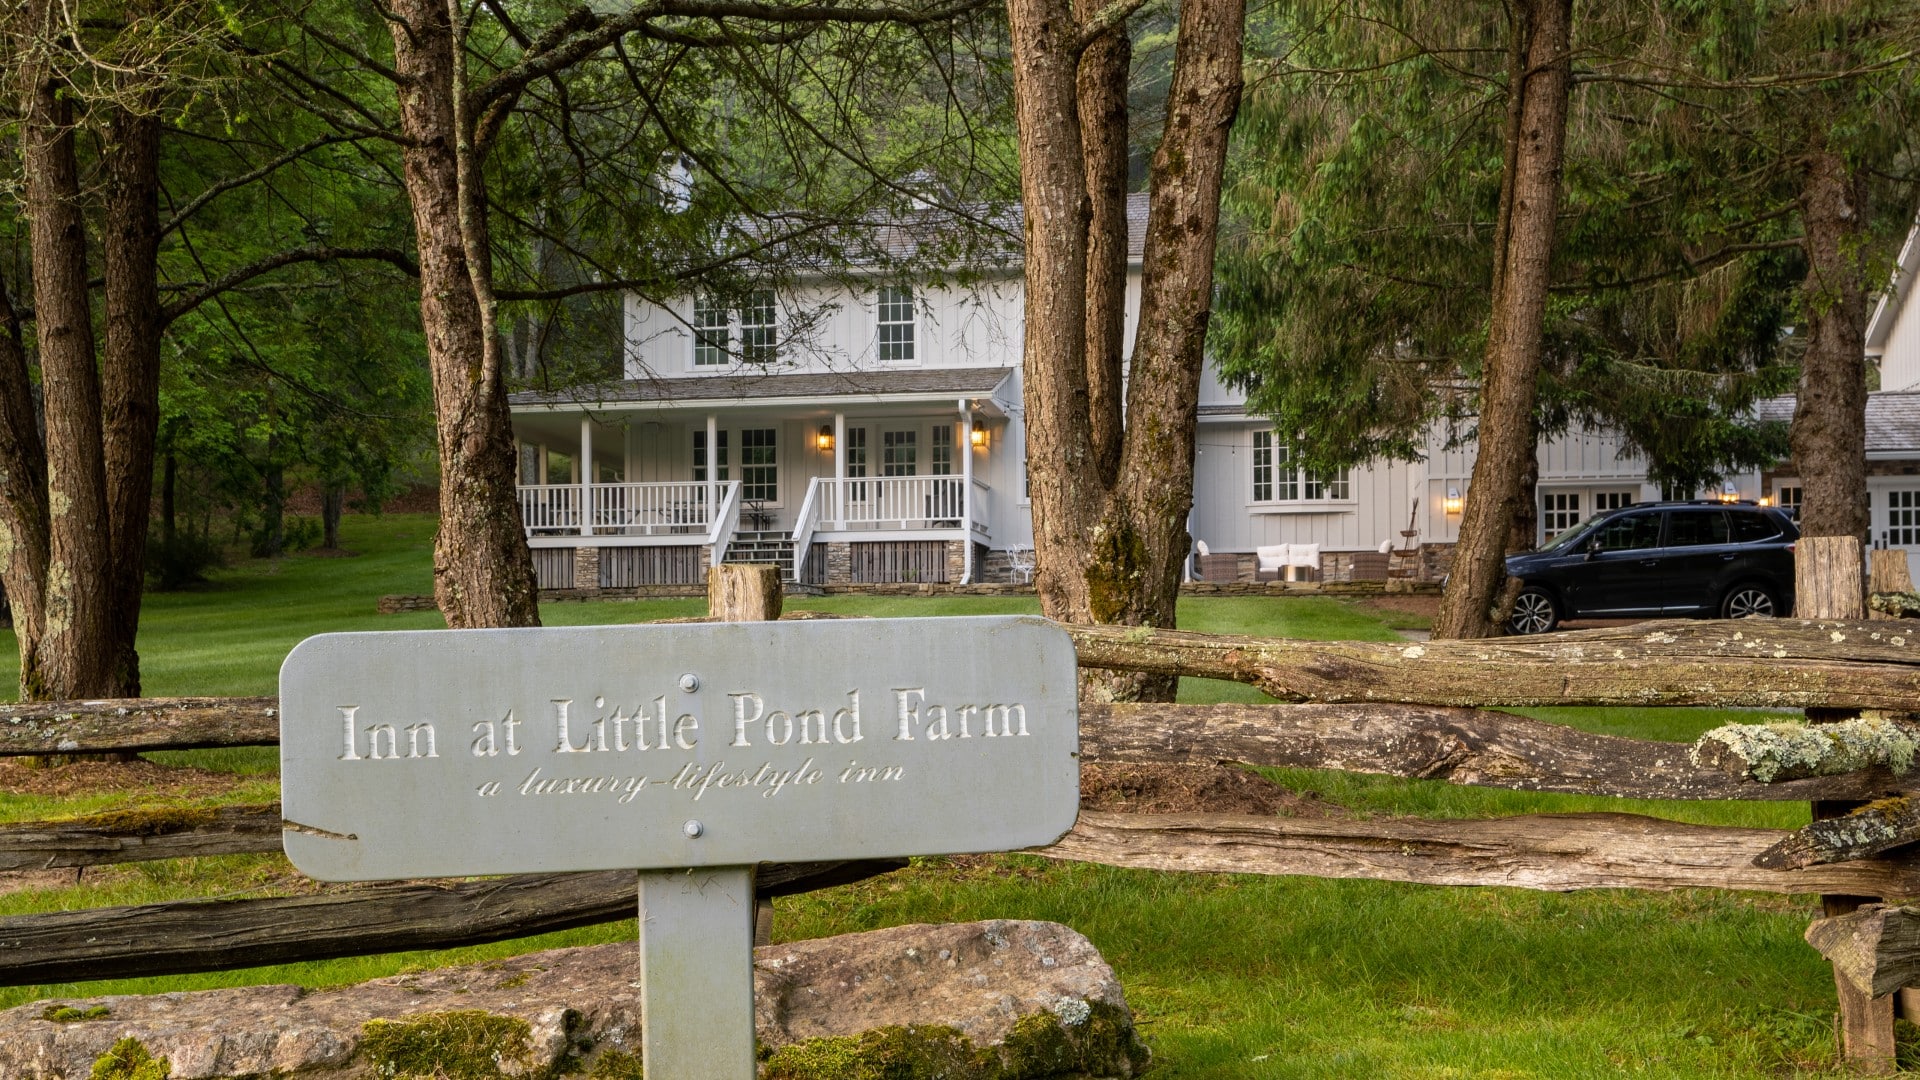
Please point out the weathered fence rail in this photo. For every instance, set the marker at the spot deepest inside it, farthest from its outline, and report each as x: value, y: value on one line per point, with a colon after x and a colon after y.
x: 1777, y: 663
x: 1458, y: 745
x: 137, y: 724
x: 217, y: 935
x: 1550, y: 852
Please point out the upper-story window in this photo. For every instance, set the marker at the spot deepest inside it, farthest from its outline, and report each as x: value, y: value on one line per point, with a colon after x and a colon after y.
x: 895, y: 324
x: 759, y: 324
x: 754, y: 323
x: 1277, y: 479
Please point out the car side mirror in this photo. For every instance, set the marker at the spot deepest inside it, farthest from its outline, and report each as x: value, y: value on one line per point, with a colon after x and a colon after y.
x: 1593, y: 547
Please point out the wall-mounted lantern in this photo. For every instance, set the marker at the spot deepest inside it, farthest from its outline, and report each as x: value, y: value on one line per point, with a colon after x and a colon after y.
x: 979, y: 437
x: 1453, y: 501
x: 824, y: 440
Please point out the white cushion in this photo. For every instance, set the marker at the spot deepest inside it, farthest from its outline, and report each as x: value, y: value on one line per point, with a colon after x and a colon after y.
x: 1272, y: 557
x: 1201, y: 547
x: 1386, y: 547
x: 1304, y: 555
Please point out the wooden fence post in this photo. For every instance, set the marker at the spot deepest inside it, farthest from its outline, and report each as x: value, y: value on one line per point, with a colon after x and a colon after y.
x: 1829, y: 583
x: 1890, y: 573
x: 747, y: 592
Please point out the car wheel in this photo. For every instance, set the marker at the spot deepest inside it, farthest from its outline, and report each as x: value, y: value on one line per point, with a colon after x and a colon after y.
x: 1533, y: 613
x: 1748, y: 601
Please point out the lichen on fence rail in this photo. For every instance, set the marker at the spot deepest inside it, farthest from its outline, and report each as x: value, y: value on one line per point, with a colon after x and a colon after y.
x: 1761, y: 663
x: 1790, y: 751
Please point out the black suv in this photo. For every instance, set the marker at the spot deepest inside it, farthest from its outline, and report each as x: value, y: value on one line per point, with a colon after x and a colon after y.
x: 1693, y: 558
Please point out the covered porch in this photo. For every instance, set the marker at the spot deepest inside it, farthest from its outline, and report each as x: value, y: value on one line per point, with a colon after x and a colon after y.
x: 843, y: 478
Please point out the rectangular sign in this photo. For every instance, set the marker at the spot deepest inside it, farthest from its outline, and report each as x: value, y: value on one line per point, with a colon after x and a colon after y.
x: 446, y: 753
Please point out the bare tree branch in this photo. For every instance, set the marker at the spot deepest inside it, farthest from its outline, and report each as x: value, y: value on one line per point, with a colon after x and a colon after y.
x: 241, y: 275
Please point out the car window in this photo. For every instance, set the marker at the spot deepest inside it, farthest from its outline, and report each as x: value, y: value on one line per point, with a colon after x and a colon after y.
x: 1629, y: 532
x: 1690, y: 528
x: 1751, y: 528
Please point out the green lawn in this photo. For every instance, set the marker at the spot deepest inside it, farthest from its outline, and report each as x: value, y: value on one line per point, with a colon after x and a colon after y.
x: 1231, y: 976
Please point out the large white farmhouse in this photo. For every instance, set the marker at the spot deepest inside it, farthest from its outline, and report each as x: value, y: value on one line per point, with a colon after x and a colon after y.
x: 886, y: 444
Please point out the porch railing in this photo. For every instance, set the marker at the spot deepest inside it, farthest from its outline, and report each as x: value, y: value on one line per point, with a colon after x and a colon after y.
x: 681, y: 508
x: 892, y: 502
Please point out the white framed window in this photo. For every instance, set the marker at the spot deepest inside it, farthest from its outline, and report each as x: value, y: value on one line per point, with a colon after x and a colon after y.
x: 1559, y: 511
x: 940, y: 445
x: 899, y: 453
x: 717, y: 326
x: 894, y: 324
x: 760, y: 464
x: 1788, y: 498
x: 759, y: 332
x: 700, y: 456
x: 1903, y: 518
x: 1563, y: 508
x: 1277, y: 479
x: 712, y: 331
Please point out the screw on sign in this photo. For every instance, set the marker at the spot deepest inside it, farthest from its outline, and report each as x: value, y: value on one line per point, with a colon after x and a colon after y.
x: 688, y: 753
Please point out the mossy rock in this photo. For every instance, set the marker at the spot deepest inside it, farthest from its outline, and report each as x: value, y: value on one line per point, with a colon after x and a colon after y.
x: 72, y: 1014
x: 1081, y: 1039
x: 468, y: 1044
x: 129, y: 1060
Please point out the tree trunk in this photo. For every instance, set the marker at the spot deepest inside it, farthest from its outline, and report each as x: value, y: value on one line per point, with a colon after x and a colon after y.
x: 169, y: 484
x: 130, y: 376
x: 332, y: 497
x: 23, y: 498
x: 272, y: 539
x: 1525, y: 528
x: 1539, y: 76
x: 1102, y: 89
x: 74, y: 657
x: 1828, y: 436
x: 482, y: 570
x: 1110, y: 545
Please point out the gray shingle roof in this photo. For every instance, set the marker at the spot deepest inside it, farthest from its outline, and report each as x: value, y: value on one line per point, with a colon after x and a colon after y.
x: 1893, y: 419
x: 756, y: 386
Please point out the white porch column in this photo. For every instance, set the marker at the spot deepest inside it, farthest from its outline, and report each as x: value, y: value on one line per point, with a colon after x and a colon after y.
x: 713, y: 469
x: 585, y: 468
x: 966, y: 490
x: 839, y: 469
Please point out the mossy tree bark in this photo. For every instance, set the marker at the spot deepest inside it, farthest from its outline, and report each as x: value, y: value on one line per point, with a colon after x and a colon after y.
x: 71, y: 659
x: 1112, y: 488
x: 73, y: 527
x: 1539, y: 76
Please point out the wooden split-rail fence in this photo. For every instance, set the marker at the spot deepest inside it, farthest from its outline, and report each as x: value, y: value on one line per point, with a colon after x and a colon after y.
x: 1402, y: 709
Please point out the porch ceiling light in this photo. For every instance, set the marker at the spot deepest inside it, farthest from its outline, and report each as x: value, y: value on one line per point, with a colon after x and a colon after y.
x: 979, y: 438
x: 824, y: 440
x: 1453, y: 501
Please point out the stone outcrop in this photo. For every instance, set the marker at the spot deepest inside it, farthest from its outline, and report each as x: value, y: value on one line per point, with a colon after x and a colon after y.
x: 1000, y: 1000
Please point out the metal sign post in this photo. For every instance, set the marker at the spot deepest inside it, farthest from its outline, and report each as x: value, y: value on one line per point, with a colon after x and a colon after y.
x: 689, y: 752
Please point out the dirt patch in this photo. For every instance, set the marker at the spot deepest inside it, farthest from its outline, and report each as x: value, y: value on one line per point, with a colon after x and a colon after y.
x: 100, y: 777
x: 1192, y: 789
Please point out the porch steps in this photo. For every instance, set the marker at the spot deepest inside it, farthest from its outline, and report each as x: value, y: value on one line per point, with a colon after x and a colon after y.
x: 763, y: 547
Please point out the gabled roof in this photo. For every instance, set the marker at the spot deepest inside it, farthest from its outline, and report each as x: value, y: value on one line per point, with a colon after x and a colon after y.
x: 1893, y: 419
x: 1887, y: 311
x: 991, y: 236
x: 760, y: 388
